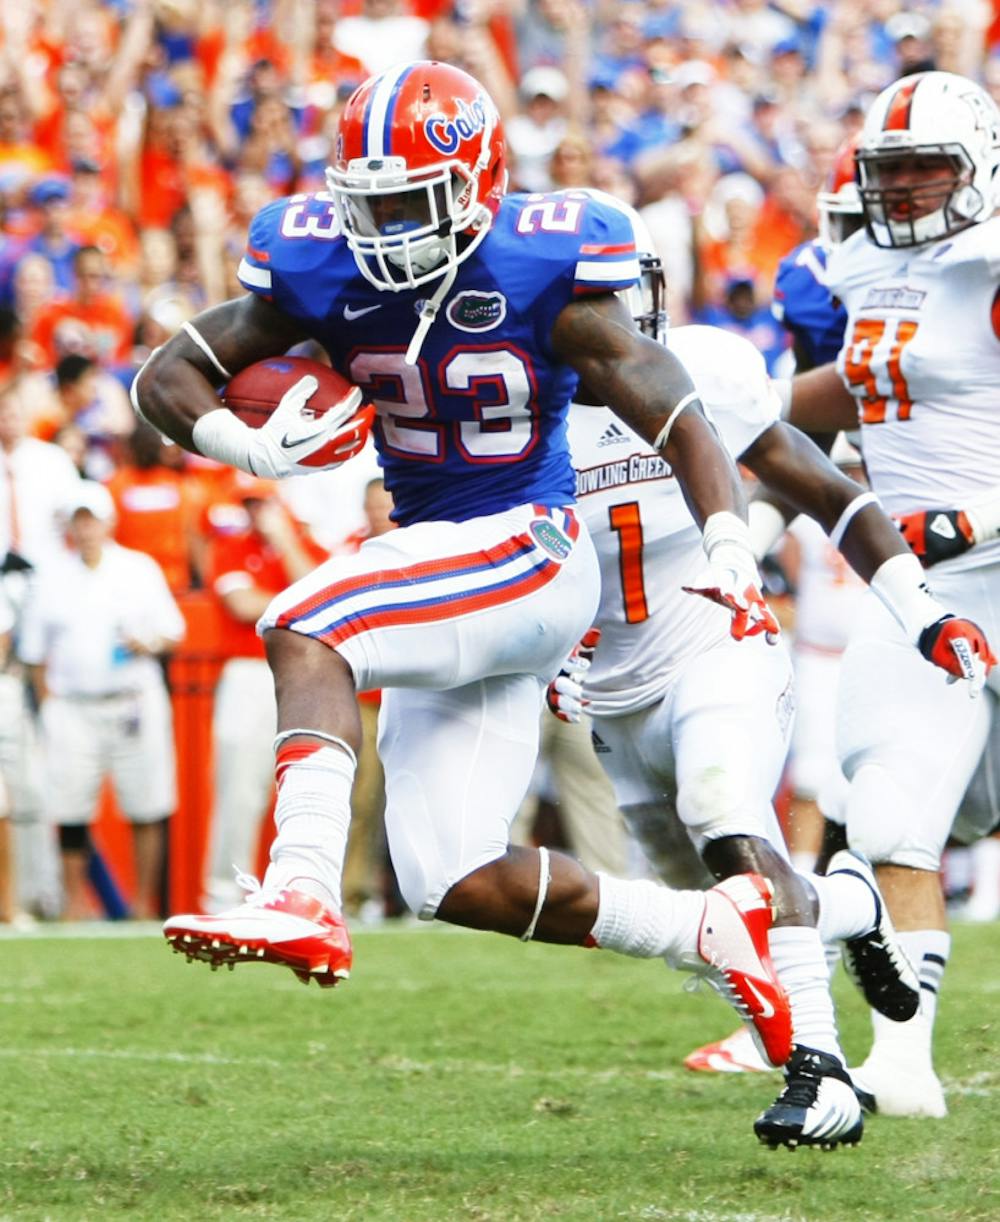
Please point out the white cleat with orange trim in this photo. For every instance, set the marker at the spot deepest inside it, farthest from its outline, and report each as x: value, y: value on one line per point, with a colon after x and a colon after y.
x: 272, y: 925
x: 735, y: 960
x: 737, y: 1053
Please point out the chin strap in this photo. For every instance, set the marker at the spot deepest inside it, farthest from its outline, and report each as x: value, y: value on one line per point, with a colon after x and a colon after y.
x: 428, y: 314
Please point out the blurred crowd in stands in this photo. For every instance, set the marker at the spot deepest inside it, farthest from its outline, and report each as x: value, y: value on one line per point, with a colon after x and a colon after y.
x: 139, y: 137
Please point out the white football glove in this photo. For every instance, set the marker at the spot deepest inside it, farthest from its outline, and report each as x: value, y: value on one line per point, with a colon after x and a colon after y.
x: 293, y: 441
x: 564, y: 695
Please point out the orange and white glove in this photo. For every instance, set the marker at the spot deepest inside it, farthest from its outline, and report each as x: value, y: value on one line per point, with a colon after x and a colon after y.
x: 564, y: 695
x: 959, y: 647
x: 731, y: 578
x: 936, y: 534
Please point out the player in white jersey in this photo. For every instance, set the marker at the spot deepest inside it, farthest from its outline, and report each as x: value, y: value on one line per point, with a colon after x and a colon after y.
x: 918, y: 370
x: 693, y: 736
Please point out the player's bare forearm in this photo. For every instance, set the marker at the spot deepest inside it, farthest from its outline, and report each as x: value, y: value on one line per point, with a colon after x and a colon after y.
x: 642, y: 382
x: 789, y: 464
x: 821, y: 403
x: 177, y: 384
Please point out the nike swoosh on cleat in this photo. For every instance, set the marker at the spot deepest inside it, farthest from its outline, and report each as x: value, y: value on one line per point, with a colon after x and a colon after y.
x: 350, y: 313
x: 766, y: 1008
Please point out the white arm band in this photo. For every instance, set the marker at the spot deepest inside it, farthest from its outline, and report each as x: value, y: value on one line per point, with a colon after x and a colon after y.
x: 899, y: 584
x: 198, y: 339
x: 984, y: 517
x: 767, y: 525
x: 222, y: 436
x: 782, y: 387
x: 847, y: 517
x: 664, y: 433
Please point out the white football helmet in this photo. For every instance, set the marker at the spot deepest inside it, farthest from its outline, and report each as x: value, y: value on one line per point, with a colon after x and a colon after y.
x: 930, y: 114
x: 839, y: 204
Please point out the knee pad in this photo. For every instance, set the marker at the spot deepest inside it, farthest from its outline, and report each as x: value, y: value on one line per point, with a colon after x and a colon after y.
x: 714, y: 803
x: 74, y: 837
x: 884, y: 823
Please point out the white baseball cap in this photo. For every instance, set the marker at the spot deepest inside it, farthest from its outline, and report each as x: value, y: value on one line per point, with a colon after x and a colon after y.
x: 91, y: 496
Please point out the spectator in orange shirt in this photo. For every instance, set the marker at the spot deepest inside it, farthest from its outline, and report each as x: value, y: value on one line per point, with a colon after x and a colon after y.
x: 156, y: 508
x: 90, y: 398
x: 91, y: 321
x: 257, y: 550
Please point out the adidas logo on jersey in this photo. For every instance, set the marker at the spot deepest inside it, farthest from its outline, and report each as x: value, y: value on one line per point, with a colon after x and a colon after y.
x: 598, y: 743
x: 612, y: 436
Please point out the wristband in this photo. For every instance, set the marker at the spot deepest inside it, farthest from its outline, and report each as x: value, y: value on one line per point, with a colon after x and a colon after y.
x: 984, y: 517
x: 222, y: 436
x: 899, y: 584
x: 767, y: 524
x: 726, y: 540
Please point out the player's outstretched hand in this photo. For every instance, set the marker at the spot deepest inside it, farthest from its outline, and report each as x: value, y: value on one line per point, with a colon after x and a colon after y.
x: 936, y: 534
x: 959, y: 647
x: 740, y: 594
x: 564, y: 694
x: 293, y: 441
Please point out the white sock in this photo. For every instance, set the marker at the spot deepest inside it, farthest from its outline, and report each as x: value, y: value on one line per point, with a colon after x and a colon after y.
x: 647, y: 920
x: 910, y: 1043
x: 846, y: 905
x: 986, y: 876
x: 800, y: 962
x: 312, y: 815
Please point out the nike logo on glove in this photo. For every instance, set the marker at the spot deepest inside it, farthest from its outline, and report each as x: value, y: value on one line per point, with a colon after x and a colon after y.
x: 289, y: 441
x: 766, y: 1008
x: 350, y: 313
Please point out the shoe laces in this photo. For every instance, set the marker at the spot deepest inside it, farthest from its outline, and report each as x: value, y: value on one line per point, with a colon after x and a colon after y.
x: 715, y: 971
x: 257, y: 895
x: 802, y: 1083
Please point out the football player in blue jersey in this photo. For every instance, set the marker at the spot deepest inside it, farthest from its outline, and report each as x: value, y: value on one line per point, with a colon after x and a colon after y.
x: 467, y: 316
x: 801, y: 299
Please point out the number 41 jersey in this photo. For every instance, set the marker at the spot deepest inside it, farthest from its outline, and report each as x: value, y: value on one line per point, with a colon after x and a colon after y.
x: 647, y: 542
x: 478, y: 424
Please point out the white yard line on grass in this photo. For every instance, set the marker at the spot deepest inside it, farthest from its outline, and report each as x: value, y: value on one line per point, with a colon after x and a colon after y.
x: 128, y: 1054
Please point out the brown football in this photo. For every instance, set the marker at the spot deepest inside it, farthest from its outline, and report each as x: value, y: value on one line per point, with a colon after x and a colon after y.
x: 255, y: 392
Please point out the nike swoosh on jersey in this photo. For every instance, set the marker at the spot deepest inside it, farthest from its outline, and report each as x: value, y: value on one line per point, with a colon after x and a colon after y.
x: 350, y: 313
x: 766, y: 1009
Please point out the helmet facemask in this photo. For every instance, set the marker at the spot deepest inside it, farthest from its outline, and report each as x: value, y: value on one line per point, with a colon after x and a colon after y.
x: 899, y: 216
x: 647, y: 299
x: 406, y: 228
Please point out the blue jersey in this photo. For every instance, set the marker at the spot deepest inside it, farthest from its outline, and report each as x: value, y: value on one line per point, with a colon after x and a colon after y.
x: 803, y: 303
x: 478, y: 424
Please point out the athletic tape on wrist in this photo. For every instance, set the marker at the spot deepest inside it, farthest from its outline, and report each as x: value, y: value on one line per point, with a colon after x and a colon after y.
x: 285, y: 735
x: 664, y: 433
x: 222, y: 436
x: 544, y: 878
x: 984, y: 517
x: 862, y: 501
x: 899, y: 585
x: 782, y: 388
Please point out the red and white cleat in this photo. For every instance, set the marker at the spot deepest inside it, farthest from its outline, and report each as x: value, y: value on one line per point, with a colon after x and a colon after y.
x: 282, y: 926
x: 737, y: 1053
x: 736, y: 961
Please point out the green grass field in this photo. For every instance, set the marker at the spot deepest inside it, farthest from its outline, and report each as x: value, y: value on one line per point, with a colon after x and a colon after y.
x: 457, y: 1076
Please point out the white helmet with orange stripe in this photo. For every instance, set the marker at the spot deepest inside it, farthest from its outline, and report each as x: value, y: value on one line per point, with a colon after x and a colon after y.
x: 929, y: 152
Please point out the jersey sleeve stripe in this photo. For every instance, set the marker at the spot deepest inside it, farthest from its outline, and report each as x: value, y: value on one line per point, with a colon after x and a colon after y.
x: 260, y: 255
x: 614, y: 271
x: 253, y: 277
x: 627, y: 248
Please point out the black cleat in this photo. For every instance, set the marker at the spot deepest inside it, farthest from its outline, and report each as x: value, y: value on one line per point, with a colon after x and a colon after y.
x: 818, y: 1106
x: 875, y: 961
